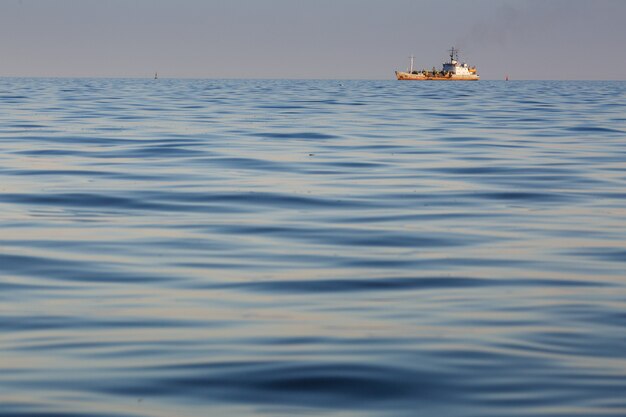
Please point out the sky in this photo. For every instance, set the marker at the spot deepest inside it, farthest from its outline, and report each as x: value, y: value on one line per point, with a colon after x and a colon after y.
x: 326, y: 39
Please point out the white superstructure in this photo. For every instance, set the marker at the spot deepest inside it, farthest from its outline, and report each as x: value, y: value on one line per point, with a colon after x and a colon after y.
x: 454, y: 67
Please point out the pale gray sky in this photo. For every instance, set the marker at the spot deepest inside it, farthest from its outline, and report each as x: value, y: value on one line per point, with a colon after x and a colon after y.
x: 526, y: 39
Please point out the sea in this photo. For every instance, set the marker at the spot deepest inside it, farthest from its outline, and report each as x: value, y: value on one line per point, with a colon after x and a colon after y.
x: 180, y: 247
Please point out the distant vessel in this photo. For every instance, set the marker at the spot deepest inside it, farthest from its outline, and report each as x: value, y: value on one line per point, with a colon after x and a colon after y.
x: 156, y: 76
x: 452, y: 71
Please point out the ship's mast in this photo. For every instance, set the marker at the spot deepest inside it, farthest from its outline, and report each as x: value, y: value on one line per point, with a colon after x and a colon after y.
x: 412, y: 58
x: 454, y: 53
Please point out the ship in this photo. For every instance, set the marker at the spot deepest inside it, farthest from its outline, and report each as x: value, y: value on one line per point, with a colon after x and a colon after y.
x: 451, y: 71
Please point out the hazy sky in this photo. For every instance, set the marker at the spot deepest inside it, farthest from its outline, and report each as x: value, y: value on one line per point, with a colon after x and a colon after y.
x: 526, y: 39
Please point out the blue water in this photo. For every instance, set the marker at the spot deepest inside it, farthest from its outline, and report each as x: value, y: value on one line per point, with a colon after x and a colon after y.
x: 336, y: 248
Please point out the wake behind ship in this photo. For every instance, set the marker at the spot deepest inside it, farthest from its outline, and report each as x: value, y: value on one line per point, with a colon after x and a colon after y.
x: 451, y: 71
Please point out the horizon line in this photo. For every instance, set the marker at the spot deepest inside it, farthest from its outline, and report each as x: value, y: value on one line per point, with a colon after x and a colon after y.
x: 132, y: 77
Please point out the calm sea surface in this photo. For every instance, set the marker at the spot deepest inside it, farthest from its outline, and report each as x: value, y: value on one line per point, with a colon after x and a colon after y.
x: 337, y: 248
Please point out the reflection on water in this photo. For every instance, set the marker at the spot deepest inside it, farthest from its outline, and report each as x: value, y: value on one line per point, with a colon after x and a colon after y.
x: 202, y: 247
